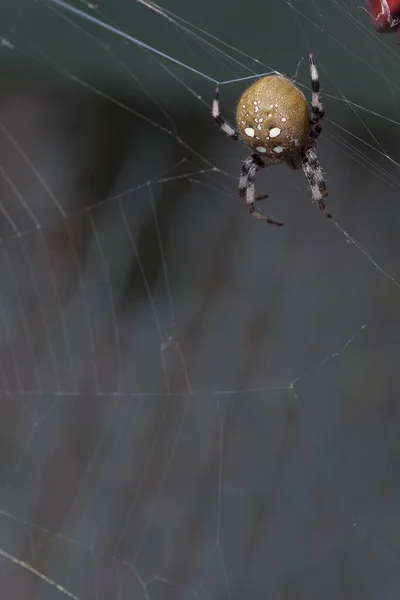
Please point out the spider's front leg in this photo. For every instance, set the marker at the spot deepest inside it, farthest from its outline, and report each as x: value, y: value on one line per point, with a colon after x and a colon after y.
x: 317, y: 110
x: 220, y: 121
x: 315, y: 178
x: 247, y: 188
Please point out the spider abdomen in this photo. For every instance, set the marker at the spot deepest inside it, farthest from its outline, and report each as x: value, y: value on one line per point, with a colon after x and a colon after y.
x: 272, y: 119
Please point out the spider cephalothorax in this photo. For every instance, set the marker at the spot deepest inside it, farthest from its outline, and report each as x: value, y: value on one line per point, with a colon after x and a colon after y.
x: 274, y: 120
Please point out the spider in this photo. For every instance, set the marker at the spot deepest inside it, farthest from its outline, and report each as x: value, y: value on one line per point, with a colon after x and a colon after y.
x: 273, y: 119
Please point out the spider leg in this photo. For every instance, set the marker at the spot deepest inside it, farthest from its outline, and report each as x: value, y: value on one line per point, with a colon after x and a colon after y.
x: 220, y: 121
x: 247, y: 188
x: 315, y: 178
x: 317, y: 110
x: 294, y: 162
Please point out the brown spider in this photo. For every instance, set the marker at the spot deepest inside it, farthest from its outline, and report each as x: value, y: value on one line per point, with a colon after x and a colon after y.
x: 274, y: 120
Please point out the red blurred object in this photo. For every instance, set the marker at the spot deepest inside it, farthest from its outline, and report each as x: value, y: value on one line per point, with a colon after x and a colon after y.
x: 385, y: 15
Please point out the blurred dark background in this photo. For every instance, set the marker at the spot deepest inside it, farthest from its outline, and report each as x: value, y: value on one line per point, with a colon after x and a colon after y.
x: 194, y: 403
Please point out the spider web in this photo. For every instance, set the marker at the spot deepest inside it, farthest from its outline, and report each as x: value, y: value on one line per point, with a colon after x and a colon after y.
x: 193, y: 403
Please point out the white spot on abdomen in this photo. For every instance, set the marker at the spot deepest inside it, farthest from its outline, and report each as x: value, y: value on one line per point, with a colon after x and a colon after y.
x: 249, y: 131
x: 274, y: 132
x: 278, y: 149
x: 261, y: 149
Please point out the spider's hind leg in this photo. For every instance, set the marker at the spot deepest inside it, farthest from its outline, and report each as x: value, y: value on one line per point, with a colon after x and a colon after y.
x: 247, y: 188
x: 294, y: 162
x: 315, y: 178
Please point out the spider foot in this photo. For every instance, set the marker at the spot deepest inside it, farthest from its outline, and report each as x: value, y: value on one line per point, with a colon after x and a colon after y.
x: 264, y: 218
x: 322, y: 207
x: 324, y: 210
